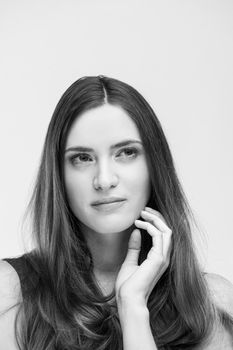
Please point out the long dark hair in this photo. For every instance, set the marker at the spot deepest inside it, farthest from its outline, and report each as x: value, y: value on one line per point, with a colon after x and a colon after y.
x: 64, y: 307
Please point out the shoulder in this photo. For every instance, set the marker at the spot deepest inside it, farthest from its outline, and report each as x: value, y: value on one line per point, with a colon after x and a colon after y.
x: 221, y: 290
x: 221, y: 294
x: 10, y: 289
x: 10, y: 297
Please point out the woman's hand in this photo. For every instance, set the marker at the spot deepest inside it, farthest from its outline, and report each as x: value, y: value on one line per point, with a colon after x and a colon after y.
x: 135, y: 283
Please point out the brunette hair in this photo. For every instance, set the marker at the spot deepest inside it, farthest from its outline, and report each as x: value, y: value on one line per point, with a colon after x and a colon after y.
x: 64, y: 307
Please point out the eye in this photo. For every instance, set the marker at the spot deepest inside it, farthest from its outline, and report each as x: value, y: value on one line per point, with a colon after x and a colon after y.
x: 79, y: 158
x: 84, y: 158
x: 130, y: 152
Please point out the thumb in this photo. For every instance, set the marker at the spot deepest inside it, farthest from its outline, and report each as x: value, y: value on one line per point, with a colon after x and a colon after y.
x: 134, y: 247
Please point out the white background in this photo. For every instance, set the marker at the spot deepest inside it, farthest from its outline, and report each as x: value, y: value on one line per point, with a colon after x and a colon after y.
x: 178, y: 54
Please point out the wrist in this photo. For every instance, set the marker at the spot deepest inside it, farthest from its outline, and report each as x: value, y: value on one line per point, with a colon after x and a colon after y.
x: 131, y: 301
x: 132, y: 308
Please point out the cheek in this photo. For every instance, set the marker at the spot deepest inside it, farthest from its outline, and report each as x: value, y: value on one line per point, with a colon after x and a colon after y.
x: 139, y: 183
x: 75, y: 189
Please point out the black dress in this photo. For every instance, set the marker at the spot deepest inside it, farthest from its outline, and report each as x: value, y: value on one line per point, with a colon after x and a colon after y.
x: 27, y: 274
x: 29, y: 280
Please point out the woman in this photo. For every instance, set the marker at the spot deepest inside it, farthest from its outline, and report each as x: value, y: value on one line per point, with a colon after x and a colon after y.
x: 114, y: 265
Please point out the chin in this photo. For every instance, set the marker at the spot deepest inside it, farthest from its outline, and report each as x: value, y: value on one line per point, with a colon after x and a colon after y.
x: 112, y: 226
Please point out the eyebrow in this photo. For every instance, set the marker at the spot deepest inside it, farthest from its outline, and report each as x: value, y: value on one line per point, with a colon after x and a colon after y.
x: 116, y: 145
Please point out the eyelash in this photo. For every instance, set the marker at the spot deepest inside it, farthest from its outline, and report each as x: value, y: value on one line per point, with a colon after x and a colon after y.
x: 134, y: 150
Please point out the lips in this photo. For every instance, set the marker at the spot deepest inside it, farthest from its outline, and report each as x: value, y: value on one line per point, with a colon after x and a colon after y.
x: 108, y: 201
x: 110, y: 207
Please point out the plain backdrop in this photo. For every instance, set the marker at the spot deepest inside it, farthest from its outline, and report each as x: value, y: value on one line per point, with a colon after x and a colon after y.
x: 177, y: 54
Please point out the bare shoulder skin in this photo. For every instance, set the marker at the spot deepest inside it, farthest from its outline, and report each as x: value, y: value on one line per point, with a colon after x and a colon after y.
x: 221, y: 291
x: 10, y: 296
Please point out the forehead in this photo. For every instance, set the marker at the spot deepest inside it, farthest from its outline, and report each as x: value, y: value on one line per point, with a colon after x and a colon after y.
x: 106, y: 124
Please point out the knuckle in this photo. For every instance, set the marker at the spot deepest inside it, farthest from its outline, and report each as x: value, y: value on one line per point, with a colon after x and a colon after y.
x: 159, y: 233
x: 161, y: 216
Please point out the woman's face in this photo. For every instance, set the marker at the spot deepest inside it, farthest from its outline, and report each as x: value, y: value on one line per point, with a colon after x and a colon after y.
x: 101, y: 169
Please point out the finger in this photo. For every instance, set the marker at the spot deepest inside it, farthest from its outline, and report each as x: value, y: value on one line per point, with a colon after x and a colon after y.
x: 167, y: 243
x: 157, y: 236
x: 156, y: 212
x: 167, y: 233
x: 157, y: 221
x: 134, y: 247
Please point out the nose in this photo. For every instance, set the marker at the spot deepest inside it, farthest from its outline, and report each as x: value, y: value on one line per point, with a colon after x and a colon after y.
x: 105, y: 177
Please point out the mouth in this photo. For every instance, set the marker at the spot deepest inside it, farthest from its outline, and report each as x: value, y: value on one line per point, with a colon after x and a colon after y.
x: 108, y: 200
x: 107, y: 207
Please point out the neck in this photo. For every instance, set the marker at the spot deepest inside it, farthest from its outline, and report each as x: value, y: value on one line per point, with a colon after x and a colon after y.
x: 108, y: 250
